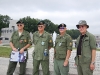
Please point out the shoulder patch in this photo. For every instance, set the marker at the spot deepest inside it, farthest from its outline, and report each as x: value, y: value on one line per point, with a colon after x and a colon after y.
x: 70, y: 44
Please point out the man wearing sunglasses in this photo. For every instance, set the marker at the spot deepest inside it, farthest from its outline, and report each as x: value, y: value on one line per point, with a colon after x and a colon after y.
x: 86, y: 50
x: 43, y: 42
x: 62, y: 51
x: 20, y: 41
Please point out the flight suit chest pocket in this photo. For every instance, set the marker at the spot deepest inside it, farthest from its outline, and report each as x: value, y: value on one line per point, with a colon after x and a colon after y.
x: 63, y: 43
x: 44, y: 41
x: 86, y: 42
x: 15, y: 39
x: 23, y: 40
x: 56, y: 42
x: 35, y: 40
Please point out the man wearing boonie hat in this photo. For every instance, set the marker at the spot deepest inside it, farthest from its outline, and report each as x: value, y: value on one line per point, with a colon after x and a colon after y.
x: 42, y: 41
x: 86, y: 50
x: 20, y: 41
x: 62, y: 51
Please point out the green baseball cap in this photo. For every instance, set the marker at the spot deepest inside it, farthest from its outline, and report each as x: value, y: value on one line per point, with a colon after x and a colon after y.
x: 41, y: 23
x: 82, y: 22
x: 20, y: 22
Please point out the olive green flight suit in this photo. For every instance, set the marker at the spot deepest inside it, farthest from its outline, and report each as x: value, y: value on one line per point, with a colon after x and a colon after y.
x: 62, y: 44
x: 83, y: 62
x: 41, y: 43
x: 19, y: 42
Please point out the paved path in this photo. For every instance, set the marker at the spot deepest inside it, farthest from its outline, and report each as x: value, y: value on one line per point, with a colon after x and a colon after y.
x: 5, y: 61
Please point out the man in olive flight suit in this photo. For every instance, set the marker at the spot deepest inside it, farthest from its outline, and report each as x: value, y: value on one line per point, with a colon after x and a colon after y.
x: 20, y: 41
x: 62, y: 51
x: 43, y: 42
x: 86, y: 50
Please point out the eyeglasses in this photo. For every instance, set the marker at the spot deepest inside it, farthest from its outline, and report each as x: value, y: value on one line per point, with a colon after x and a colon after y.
x: 40, y: 26
x: 80, y: 27
x: 61, y: 28
x: 19, y: 25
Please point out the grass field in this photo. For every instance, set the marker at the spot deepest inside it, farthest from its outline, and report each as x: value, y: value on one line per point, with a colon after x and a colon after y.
x: 5, y: 51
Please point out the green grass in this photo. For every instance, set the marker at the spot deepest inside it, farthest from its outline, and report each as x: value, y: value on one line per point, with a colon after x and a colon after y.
x: 5, y: 51
x: 98, y: 49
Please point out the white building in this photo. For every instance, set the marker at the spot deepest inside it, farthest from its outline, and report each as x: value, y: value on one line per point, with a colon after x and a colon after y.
x: 7, y: 32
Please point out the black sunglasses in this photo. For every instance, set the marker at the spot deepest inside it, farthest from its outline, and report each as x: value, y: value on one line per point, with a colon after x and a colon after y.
x: 19, y: 25
x: 40, y: 26
x: 61, y: 28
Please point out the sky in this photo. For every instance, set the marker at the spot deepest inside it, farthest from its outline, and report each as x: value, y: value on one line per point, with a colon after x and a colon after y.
x: 69, y: 12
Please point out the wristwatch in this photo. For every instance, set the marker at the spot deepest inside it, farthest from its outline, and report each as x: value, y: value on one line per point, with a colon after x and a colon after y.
x: 67, y: 59
x: 93, y: 63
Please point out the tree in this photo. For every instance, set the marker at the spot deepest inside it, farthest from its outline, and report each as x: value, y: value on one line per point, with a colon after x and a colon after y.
x: 30, y: 24
x: 49, y: 26
x: 4, y: 21
x: 73, y: 33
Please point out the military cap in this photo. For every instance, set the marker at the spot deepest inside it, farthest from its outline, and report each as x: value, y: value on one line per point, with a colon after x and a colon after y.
x: 41, y: 23
x: 82, y: 22
x: 62, y: 25
x: 20, y: 22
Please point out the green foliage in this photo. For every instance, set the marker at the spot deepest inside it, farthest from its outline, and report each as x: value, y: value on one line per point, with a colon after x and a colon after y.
x: 4, y: 21
x: 30, y: 24
x: 73, y: 33
x: 51, y: 27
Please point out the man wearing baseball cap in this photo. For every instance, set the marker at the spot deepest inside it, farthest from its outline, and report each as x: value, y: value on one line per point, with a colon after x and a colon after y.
x: 20, y: 41
x: 86, y: 50
x: 62, y: 51
x: 43, y: 42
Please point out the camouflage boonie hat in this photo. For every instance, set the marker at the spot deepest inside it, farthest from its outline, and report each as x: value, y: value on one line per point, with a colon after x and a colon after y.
x: 62, y: 25
x: 82, y: 22
x: 41, y: 23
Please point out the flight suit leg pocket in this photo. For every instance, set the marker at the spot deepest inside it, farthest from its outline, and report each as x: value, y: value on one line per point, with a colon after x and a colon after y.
x: 62, y: 55
x: 76, y: 60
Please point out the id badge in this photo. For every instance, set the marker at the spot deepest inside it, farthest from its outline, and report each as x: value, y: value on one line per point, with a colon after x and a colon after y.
x: 42, y: 43
x: 59, y: 44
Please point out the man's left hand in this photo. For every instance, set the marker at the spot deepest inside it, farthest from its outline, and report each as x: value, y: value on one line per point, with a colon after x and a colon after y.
x: 92, y: 66
x: 65, y: 63
x: 21, y: 51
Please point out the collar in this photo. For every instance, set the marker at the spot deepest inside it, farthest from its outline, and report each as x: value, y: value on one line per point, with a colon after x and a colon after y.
x: 23, y: 33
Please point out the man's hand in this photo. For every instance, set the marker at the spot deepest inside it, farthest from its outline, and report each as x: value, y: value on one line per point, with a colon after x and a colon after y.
x: 65, y: 63
x: 21, y: 51
x: 14, y: 49
x: 92, y: 66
